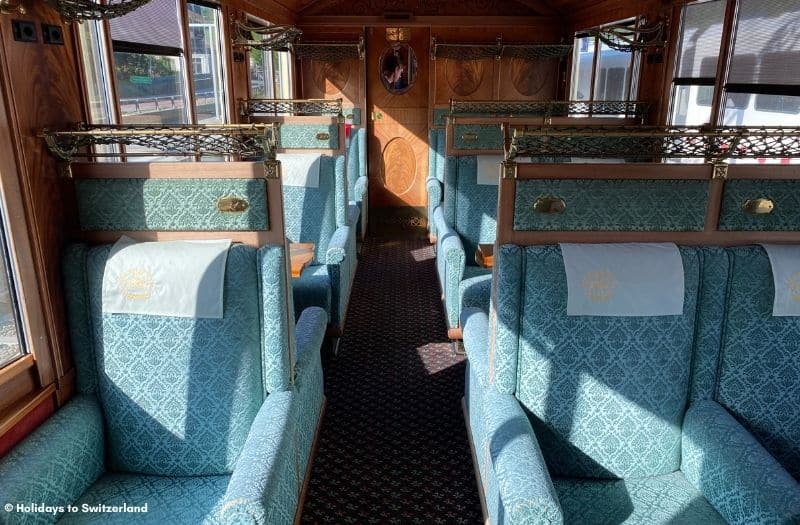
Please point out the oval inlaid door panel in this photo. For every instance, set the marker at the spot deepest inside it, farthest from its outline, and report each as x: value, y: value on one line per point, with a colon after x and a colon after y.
x: 399, y: 166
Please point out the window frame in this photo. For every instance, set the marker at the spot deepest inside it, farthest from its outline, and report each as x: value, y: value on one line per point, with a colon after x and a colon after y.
x: 634, y: 65
x: 27, y: 381
x: 271, y: 56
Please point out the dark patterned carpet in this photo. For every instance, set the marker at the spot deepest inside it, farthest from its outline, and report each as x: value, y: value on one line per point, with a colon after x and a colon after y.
x: 393, y: 447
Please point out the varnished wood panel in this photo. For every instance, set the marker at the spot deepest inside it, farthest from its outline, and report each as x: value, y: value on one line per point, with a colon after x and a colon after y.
x: 398, y: 149
x: 464, y: 79
x: 41, y: 87
x: 528, y: 79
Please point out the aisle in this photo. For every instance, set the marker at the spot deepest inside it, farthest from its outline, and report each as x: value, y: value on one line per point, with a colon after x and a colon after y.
x: 393, y: 446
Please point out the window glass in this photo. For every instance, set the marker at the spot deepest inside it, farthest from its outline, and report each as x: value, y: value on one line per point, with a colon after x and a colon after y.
x: 94, y: 65
x: 582, y: 60
x: 696, y: 66
x: 151, y: 89
x: 11, y: 346
x: 261, y: 85
x: 207, y: 67
x: 614, y: 71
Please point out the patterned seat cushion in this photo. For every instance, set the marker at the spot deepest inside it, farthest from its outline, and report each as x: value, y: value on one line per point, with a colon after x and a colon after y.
x: 605, y: 395
x: 186, y: 500
x: 312, y: 288
x: 179, y: 394
x: 470, y: 208
x: 759, y: 373
x: 475, y: 288
x: 663, y: 499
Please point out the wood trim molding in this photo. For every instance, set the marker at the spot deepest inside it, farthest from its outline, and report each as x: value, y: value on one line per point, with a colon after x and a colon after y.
x: 24, y: 407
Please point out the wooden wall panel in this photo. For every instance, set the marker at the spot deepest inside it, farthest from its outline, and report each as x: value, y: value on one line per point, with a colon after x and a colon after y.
x: 491, y: 79
x: 41, y: 88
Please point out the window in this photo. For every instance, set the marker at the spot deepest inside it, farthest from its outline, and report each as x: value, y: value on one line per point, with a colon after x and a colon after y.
x: 205, y: 25
x: 600, y: 72
x: 158, y: 78
x: 270, y: 72
x: 11, y: 340
x: 762, y: 84
x: 696, y: 65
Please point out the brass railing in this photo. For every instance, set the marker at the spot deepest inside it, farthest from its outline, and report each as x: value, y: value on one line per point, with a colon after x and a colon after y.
x: 549, y: 108
x: 289, y: 106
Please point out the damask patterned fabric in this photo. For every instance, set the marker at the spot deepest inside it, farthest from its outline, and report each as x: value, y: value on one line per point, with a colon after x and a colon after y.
x: 474, y: 289
x: 668, y: 498
x: 476, y: 334
x: 440, y: 116
x: 450, y: 263
x: 489, y: 137
x: 265, y: 485
x: 785, y: 195
x: 759, y: 378
x: 710, y: 317
x: 505, y: 319
x: 304, y: 136
x: 309, y: 382
x: 56, y: 463
x: 277, y: 344
x: 152, y: 369
x: 470, y: 208
x: 169, y: 204
x: 649, y: 205
x: 738, y: 476
x: 632, y: 371
x: 432, y: 184
x: 185, y: 500
x: 77, y: 302
x: 312, y: 288
x: 514, y: 460
x: 342, y: 261
x: 310, y: 213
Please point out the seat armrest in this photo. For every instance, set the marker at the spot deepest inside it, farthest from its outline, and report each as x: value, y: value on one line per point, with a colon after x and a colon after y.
x: 360, y: 188
x: 733, y: 471
x: 450, y: 262
x: 309, y: 334
x: 475, y: 331
x: 512, y: 456
x: 264, y: 485
x: 337, y: 247
x: 353, y: 212
x: 434, y: 199
x: 65, y: 455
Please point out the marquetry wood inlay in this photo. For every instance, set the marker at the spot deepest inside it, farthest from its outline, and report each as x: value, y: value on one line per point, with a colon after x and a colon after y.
x: 399, y: 166
x: 464, y: 76
x: 530, y: 77
x: 331, y: 78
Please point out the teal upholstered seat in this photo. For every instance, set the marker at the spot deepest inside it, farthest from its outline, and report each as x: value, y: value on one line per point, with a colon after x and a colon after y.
x: 203, y: 420
x: 759, y: 365
x: 357, y: 181
x: 467, y: 217
x: 320, y: 216
x: 436, y: 151
x: 582, y: 419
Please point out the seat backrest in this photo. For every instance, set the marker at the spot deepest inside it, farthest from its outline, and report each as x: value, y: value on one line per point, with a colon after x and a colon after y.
x: 313, y: 214
x: 605, y: 395
x: 470, y: 208
x: 759, y: 368
x: 436, y: 154
x: 179, y: 394
x: 356, y: 159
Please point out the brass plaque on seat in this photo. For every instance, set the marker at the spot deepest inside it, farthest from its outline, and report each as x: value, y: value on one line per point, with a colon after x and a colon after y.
x: 232, y: 205
x: 549, y: 205
x: 323, y: 136
x: 760, y: 206
x: 469, y: 137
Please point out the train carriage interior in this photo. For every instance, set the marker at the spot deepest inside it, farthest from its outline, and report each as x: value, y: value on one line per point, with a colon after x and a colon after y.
x: 247, y: 262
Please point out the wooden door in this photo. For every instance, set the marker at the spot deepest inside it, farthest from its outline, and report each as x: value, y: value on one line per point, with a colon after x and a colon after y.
x: 398, y: 142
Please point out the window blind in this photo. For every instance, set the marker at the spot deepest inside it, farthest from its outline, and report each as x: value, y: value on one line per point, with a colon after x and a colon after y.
x: 766, y: 49
x: 154, y: 24
x: 701, y: 40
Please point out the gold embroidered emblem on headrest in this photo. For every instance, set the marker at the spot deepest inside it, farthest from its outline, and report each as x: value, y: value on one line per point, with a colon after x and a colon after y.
x: 793, y: 283
x: 599, y: 286
x: 136, y: 284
